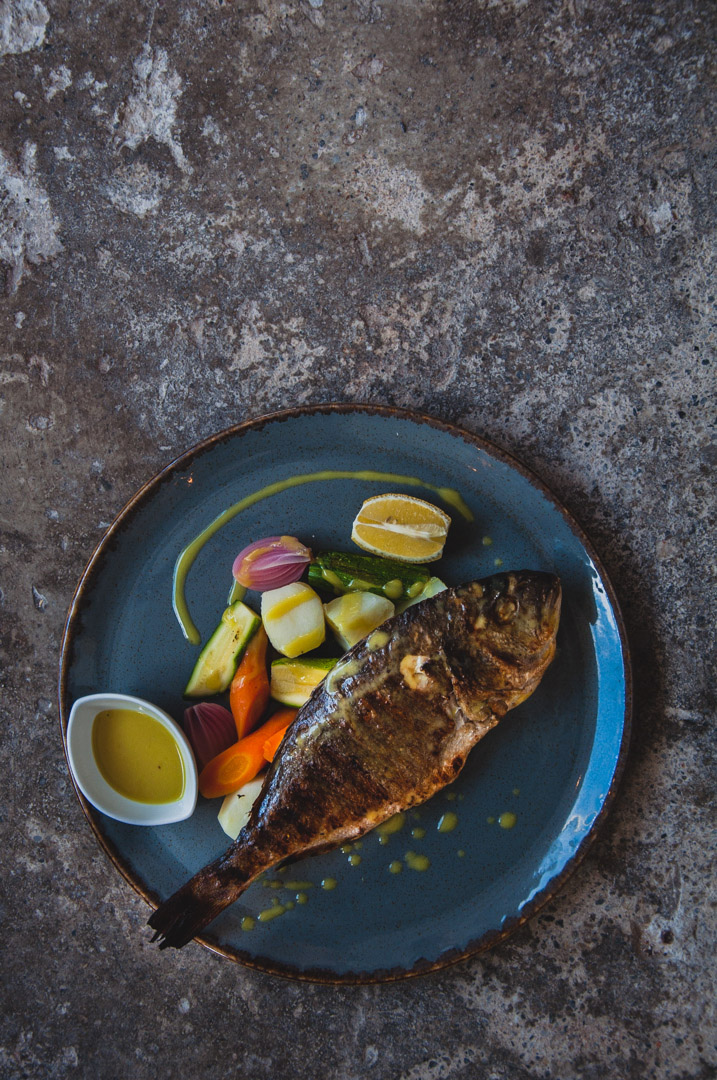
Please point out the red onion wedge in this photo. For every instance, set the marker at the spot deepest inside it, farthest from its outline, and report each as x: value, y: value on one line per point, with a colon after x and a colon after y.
x: 271, y: 563
x: 210, y: 729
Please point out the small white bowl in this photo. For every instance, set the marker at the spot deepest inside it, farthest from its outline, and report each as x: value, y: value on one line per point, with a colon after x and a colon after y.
x: 92, y: 783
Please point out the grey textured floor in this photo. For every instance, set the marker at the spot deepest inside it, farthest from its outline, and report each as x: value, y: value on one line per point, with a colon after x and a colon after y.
x: 499, y: 212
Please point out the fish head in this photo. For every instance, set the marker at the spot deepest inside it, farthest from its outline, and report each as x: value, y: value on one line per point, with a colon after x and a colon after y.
x: 504, y: 637
x: 521, y: 610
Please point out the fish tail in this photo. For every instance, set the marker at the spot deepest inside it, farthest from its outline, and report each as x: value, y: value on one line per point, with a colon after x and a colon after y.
x: 202, y: 898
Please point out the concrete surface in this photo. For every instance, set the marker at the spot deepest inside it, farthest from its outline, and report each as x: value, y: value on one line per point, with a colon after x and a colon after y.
x: 497, y: 211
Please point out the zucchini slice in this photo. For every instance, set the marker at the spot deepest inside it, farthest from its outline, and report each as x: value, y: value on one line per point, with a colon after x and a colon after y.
x: 432, y: 587
x: 218, y: 660
x: 342, y: 573
x: 293, y: 681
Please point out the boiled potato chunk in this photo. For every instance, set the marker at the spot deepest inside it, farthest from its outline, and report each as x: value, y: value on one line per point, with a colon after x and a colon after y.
x: 356, y: 614
x: 235, y: 809
x: 293, y: 618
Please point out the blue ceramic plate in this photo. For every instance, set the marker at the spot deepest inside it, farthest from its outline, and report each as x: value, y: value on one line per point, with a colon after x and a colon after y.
x: 552, y: 763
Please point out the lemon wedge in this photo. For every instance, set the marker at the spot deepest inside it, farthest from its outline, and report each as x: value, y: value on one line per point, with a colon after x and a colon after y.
x: 401, y: 527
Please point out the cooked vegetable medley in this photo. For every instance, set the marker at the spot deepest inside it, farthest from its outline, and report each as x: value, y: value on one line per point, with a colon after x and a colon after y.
x: 400, y: 532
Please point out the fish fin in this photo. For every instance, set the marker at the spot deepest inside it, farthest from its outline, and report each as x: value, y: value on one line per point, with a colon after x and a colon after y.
x: 184, y: 915
x: 203, y: 897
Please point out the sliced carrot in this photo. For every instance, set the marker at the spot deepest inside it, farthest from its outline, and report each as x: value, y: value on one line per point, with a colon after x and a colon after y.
x: 230, y: 770
x: 249, y: 693
x: 240, y: 763
x: 282, y: 718
x: 272, y: 743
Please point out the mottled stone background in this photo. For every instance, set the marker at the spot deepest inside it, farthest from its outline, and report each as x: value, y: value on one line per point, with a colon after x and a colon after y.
x: 497, y: 211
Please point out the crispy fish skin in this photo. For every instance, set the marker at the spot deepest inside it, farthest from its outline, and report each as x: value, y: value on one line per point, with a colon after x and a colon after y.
x: 392, y: 724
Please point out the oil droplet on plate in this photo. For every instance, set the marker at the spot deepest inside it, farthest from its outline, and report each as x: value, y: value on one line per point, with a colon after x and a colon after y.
x: 507, y: 820
x: 248, y: 923
x: 271, y: 913
x: 395, y: 867
x: 354, y: 860
x: 416, y: 862
x: 329, y: 883
x: 418, y: 833
x: 448, y: 822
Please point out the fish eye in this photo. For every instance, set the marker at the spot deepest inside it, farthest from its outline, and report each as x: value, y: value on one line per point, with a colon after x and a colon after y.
x: 506, y: 608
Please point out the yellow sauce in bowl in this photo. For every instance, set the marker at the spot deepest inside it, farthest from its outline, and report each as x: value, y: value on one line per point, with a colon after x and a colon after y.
x: 138, y: 756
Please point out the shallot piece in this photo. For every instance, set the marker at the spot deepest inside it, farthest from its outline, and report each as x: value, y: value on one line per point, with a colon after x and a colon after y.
x: 271, y: 563
x: 210, y: 729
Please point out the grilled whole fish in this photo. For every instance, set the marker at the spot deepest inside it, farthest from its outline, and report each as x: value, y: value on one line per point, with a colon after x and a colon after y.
x: 391, y: 724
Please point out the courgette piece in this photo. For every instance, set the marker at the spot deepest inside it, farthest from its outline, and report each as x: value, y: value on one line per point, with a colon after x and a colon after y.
x: 218, y: 660
x: 293, y: 681
x: 432, y: 587
x: 342, y: 573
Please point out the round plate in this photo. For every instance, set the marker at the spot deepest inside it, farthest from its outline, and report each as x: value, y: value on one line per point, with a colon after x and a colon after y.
x: 553, y: 762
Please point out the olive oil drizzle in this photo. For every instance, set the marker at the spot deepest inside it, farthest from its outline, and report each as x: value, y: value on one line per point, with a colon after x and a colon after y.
x: 412, y: 860
x: 189, y: 553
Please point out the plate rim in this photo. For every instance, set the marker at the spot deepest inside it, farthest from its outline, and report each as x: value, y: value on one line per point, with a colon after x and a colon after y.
x: 73, y: 622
